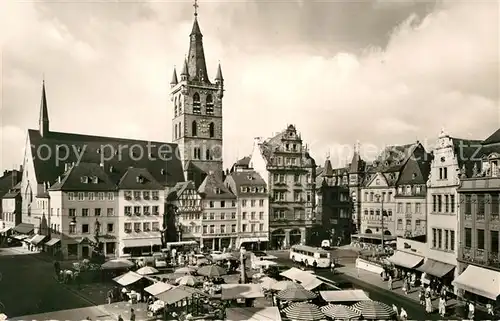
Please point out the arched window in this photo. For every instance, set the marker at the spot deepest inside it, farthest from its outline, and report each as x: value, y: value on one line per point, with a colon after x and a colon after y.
x: 176, y: 131
x: 211, y: 129
x: 210, y: 105
x: 194, y: 128
x: 175, y: 107
x: 179, y: 106
x: 207, y: 154
x: 196, y: 104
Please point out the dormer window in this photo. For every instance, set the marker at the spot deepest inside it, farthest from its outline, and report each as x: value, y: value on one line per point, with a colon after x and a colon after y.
x: 386, y: 163
x: 98, y: 151
x: 250, y: 177
x: 95, y: 179
x: 79, y: 149
x: 140, y: 179
x: 217, y: 191
x: 163, y: 171
x: 443, y: 159
x: 85, y: 179
x: 111, y: 168
x: 414, y: 175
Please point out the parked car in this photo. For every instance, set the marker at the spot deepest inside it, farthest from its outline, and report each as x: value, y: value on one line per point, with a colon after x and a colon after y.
x: 325, y: 244
x: 215, y: 255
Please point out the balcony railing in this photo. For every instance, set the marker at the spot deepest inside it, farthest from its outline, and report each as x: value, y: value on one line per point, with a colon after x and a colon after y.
x: 481, y: 257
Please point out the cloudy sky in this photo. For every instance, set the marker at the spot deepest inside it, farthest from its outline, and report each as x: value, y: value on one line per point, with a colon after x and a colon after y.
x: 379, y: 72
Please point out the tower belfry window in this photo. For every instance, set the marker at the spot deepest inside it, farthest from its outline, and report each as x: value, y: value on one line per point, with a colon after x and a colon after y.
x: 196, y: 104
x: 175, y: 107
x: 194, y: 128
x: 211, y: 130
x: 210, y: 105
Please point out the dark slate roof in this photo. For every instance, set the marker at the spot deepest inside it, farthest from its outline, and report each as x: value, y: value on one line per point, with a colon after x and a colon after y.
x: 415, y: 171
x: 467, y: 152
x: 167, y: 169
x: 179, y: 188
x: 84, y: 177
x: 139, y: 178
x: 212, y: 183
x: 8, y: 180
x: 493, y: 138
x: 246, y: 178
x: 241, y: 163
x: 357, y: 165
x: 14, y: 191
x: 392, y: 158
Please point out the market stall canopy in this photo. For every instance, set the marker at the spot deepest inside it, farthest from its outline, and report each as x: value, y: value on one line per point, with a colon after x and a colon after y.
x: 340, y: 312
x: 295, y: 274
x: 299, y: 294
x: 177, y: 294
x: 37, y: 239
x: 303, y: 312
x: 313, y: 284
x: 146, y: 270
x: 374, y: 310
x: 479, y: 281
x: 52, y: 241
x: 5, y: 229
x: 24, y: 228
x: 435, y: 268
x: 241, y: 291
x: 158, y: 287
x: 253, y: 314
x: 282, y: 285
x: 128, y: 278
x: 212, y: 271
x: 344, y: 296
x: 117, y: 264
x: 406, y: 260
x: 267, y: 282
x: 20, y: 237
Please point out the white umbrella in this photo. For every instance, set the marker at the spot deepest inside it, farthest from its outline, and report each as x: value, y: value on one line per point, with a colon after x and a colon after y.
x: 146, y: 270
x: 188, y: 280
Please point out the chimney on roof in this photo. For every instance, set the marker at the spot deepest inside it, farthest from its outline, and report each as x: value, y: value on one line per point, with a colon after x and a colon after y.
x: 14, y: 178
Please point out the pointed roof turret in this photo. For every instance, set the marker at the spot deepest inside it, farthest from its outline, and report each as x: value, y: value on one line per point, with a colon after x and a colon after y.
x: 219, y: 77
x: 185, y: 71
x: 357, y: 164
x: 328, y: 172
x: 174, y: 80
x: 44, y: 113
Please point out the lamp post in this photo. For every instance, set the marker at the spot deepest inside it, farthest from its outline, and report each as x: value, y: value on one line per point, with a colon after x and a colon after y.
x: 380, y: 198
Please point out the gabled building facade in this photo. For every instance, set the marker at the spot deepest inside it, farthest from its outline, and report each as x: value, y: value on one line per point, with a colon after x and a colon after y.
x: 378, y: 204
x: 188, y: 206
x: 10, y: 210
x: 252, y: 208
x: 219, y: 221
x: 452, y: 157
x: 284, y: 163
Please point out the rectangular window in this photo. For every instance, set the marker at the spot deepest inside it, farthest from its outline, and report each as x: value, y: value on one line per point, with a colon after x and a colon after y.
x: 408, y: 208
x: 445, y: 173
x: 480, y: 205
x: 452, y: 203
x: 418, y: 208
x: 495, y: 201
x: 100, y: 196
x: 440, y: 238
x: 400, y: 207
x: 434, y: 203
x: 85, y: 228
x: 480, y: 239
x: 446, y: 239
x: 137, y: 227
x: 110, y: 211
x: 233, y: 228
x: 440, y: 203
x: 222, y: 203
x: 85, y: 212
x: 434, y: 238
x: 72, y: 212
x: 223, y: 229
x: 71, y: 196
x: 81, y: 196
x: 111, y: 196
x: 243, y: 227
x: 494, y: 241
x: 452, y: 240
x: 468, y: 237
x: 446, y: 203
x: 468, y: 205
x: 97, y: 212
x: 91, y: 196
x: 110, y: 228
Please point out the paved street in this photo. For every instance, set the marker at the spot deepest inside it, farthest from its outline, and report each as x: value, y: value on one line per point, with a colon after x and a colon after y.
x: 27, y: 286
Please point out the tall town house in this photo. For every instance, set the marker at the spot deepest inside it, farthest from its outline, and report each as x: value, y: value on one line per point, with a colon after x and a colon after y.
x: 10, y: 197
x: 283, y: 161
x: 451, y: 157
x: 253, y: 208
x: 197, y: 121
x: 479, y: 225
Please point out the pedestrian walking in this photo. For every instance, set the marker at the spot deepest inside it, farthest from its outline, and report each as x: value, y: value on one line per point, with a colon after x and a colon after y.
x: 421, y: 296
x: 489, y: 307
x: 405, y: 285
x: 332, y: 267
x: 132, y: 315
x: 471, y: 311
x: 389, y: 282
x: 403, y: 315
x: 395, y: 309
x: 442, y: 306
x: 428, y: 304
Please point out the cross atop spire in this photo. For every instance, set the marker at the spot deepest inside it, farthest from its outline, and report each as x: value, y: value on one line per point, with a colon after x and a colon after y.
x: 195, y: 5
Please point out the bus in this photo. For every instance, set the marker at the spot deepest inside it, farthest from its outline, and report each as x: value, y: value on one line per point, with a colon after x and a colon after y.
x: 310, y: 256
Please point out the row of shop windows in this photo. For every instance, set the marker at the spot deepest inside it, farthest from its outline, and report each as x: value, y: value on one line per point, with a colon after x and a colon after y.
x: 481, y: 239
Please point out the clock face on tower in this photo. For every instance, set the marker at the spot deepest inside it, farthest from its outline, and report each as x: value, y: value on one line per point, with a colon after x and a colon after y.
x: 203, y: 126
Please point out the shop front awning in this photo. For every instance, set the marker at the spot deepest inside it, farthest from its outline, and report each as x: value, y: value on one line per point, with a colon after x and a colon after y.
x: 406, y: 260
x: 435, y: 268
x: 53, y: 242
x: 24, y: 228
x: 142, y: 242
x: 344, y: 296
x: 241, y: 291
x: 37, y: 239
x: 479, y: 281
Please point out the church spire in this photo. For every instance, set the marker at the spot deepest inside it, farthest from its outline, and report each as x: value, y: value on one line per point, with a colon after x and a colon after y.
x: 43, y: 125
x: 197, y: 66
x: 174, y: 80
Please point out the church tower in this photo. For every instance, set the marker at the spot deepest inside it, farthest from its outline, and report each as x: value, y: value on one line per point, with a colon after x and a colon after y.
x: 197, y: 119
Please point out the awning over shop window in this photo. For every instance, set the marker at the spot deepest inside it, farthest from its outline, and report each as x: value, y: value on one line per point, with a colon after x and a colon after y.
x: 141, y: 242
x: 344, y: 296
x: 406, y: 260
x: 435, y: 268
x: 37, y: 239
x: 479, y: 281
x: 241, y: 291
x: 52, y: 242
x: 24, y: 228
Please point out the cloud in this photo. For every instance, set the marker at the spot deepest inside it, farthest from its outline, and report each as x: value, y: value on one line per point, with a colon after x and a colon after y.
x: 380, y: 79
